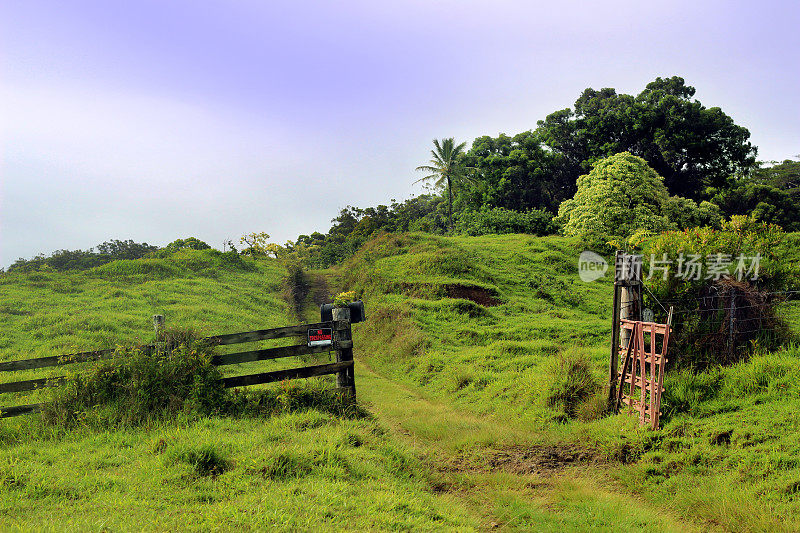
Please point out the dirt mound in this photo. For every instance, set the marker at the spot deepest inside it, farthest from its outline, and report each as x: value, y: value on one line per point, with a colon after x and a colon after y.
x: 486, y: 297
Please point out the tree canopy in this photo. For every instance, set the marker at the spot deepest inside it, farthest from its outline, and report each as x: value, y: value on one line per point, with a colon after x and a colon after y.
x: 622, y: 196
x: 516, y: 173
x: 691, y: 146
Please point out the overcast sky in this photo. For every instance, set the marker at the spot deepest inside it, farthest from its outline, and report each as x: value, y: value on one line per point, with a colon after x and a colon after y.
x: 156, y: 119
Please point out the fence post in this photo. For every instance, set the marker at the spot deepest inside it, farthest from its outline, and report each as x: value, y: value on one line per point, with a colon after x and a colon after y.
x: 343, y: 338
x: 613, y: 365
x: 158, y: 322
x: 627, y: 305
x: 732, y: 327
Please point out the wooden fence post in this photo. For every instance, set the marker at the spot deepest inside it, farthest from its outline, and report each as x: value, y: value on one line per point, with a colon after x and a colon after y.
x: 627, y: 305
x: 158, y: 322
x: 343, y: 343
x: 615, y: 326
x: 631, y: 298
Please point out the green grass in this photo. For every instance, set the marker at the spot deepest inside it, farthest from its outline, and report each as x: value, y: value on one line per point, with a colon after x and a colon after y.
x: 497, y: 362
x: 300, y: 471
x: 475, y: 350
x: 488, y: 359
x: 300, y: 468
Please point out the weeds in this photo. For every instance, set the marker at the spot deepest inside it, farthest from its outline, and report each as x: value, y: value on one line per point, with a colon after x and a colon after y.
x: 140, y: 385
x: 571, y: 382
x: 205, y: 460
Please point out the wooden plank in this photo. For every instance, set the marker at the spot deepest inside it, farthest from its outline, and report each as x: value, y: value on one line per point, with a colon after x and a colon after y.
x: 280, y: 375
x: 268, y: 353
x: 8, y: 412
x: 31, y: 384
x: 58, y: 360
x: 264, y: 334
x: 649, y: 383
x: 232, y: 338
x: 660, y: 329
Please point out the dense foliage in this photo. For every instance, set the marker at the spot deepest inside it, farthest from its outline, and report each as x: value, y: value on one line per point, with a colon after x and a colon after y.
x: 85, y: 259
x: 724, y: 284
x: 623, y: 196
x: 517, y: 173
x: 500, y: 221
x: 691, y: 146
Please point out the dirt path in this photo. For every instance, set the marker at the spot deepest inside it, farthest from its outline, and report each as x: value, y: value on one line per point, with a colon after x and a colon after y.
x: 508, y: 483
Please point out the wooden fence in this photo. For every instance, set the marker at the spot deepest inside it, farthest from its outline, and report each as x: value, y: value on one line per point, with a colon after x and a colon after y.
x: 340, y: 341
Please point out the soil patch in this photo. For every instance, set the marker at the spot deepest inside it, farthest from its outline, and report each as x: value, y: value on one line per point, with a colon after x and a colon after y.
x: 486, y: 297
x: 479, y: 295
x: 541, y: 460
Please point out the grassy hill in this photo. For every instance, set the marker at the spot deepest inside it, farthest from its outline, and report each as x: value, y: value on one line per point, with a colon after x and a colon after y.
x: 480, y: 366
x: 726, y: 453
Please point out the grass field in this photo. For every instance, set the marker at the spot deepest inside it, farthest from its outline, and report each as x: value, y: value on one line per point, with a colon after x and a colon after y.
x: 457, y: 368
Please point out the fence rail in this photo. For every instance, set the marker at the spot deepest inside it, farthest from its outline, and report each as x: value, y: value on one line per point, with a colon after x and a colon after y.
x: 341, y: 343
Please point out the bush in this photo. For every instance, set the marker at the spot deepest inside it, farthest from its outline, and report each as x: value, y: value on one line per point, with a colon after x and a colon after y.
x: 499, y: 220
x: 701, y: 333
x: 296, y: 287
x: 138, y: 386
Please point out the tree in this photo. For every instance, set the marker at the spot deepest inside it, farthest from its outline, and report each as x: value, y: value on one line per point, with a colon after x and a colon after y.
x: 691, y: 146
x: 621, y: 195
x: 257, y: 244
x: 516, y: 173
x: 784, y: 176
x: 764, y: 202
x: 190, y: 243
x: 446, y: 168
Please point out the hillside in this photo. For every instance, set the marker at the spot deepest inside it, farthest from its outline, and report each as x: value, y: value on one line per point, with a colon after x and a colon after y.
x: 725, y: 455
x: 457, y: 366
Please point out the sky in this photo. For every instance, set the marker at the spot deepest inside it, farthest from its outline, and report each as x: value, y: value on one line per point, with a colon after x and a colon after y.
x: 159, y: 120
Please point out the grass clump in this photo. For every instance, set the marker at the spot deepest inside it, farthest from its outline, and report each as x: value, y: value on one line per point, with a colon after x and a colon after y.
x: 571, y: 382
x: 205, y: 460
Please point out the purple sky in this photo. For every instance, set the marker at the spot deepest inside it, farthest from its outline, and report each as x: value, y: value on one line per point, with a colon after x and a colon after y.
x: 156, y: 120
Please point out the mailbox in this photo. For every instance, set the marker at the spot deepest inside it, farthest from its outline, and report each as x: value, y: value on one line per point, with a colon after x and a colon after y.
x: 356, y: 312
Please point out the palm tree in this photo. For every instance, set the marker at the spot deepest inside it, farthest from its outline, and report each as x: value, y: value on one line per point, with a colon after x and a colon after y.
x: 445, y: 168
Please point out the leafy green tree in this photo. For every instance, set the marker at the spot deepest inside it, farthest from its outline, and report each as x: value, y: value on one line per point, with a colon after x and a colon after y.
x: 516, y: 173
x: 784, y: 176
x: 763, y: 201
x: 691, y: 146
x: 190, y: 243
x: 446, y: 168
x: 621, y: 196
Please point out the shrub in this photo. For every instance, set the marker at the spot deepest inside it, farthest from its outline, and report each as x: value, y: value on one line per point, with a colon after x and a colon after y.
x: 499, y: 220
x: 296, y: 286
x: 138, y: 385
x: 701, y: 335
